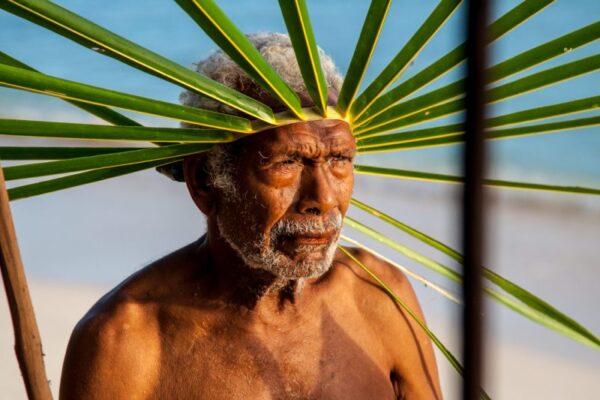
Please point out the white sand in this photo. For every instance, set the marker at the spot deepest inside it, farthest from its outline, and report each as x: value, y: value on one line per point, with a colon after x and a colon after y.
x: 514, y: 371
x: 58, y: 307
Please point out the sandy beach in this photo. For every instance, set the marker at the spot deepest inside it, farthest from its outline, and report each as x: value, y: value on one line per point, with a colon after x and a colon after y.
x: 78, y: 244
x: 515, y: 370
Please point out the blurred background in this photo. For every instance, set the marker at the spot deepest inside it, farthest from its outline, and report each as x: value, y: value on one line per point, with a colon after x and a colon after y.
x: 79, y: 243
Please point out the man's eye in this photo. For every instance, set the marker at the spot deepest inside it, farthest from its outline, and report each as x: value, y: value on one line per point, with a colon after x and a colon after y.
x: 287, y: 163
x: 339, y: 159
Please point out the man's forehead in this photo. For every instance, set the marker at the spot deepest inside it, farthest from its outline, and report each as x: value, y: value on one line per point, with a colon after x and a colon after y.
x: 331, y: 133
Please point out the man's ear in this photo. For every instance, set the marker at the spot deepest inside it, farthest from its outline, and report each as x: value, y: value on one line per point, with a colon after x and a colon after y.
x: 198, y: 184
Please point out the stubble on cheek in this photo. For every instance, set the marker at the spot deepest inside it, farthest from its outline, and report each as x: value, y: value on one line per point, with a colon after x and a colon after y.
x: 261, y: 248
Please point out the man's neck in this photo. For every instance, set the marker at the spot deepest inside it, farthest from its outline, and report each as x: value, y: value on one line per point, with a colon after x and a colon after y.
x: 239, y: 285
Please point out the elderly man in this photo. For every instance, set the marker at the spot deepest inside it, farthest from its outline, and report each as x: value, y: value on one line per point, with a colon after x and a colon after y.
x: 262, y: 306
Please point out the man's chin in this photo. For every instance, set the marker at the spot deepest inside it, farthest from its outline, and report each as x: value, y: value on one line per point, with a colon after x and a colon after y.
x: 303, y: 271
x: 306, y: 262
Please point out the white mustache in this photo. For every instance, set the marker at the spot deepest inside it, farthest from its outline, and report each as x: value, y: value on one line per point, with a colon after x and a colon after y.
x: 312, y: 226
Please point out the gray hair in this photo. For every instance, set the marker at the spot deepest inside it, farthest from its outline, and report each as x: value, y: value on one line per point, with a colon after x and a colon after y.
x: 277, y: 50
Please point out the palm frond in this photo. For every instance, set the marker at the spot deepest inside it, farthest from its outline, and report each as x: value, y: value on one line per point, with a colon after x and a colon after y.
x: 65, y: 89
x: 513, y: 18
x: 432, y: 177
x: 529, y: 306
x: 15, y: 127
x: 398, y: 65
x: 452, y: 134
x: 532, y: 114
x: 104, y: 113
x: 544, y: 112
x: 518, y: 87
x: 365, y: 46
x: 21, y: 153
x: 103, y: 41
x: 551, y: 315
x: 70, y: 181
x: 509, y: 67
x: 405, y: 228
x: 295, y: 14
x: 427, y: 262
x: 450, y: 296
x: 236, y: 45
x: 102, y: 161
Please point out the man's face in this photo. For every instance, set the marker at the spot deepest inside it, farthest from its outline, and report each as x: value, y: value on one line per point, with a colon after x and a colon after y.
x: 294, y: 186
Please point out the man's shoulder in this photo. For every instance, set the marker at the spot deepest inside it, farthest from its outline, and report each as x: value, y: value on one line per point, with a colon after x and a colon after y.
x: 118, y: 342
x: 121, y: 334
x: 356, y: 281
x: 360, y: 267
x: 116, y: 313
x: 135, y: 301
x: 394, y: 322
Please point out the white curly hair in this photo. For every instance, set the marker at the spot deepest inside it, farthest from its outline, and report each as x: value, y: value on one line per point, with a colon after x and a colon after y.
x: 276, y: 49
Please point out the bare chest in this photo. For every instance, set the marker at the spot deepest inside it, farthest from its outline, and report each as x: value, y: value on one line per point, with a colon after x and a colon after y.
x: 326, y: 359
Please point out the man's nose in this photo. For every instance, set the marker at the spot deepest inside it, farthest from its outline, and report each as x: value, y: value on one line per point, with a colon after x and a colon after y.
x: 317, y: 195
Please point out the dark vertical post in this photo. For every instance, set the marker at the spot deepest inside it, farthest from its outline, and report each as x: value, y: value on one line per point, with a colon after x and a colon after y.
x: 28, y: 345
x: 473, y: 196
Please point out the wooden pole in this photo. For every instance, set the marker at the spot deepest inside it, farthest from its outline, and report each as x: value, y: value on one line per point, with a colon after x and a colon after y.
x: 28, y: 345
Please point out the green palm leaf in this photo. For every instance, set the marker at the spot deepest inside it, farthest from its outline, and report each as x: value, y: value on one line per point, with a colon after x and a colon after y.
x: 452, y: 134
x: 62, y: 88
x: 433, y: 265
x: 496, y: 30
x: 387, y: 122
x: 549, y: 111
x: 237, y: 46
x: 509, y: 67
x: 298, y: 25
x: 407, y: 271
x: 56, y: 153
x: 365, y: 46
x: 432, y: 177
x: 559, y: 320
x: 103, y: 113
x: 524, y: 309
x: 64, y: 130
x: 88, y: 34
x: 533, y: 114
x: 398, y: 65
x: 102, y: 161
x: 66, y: 182
x: 531, y: 307
x: 403, y: 227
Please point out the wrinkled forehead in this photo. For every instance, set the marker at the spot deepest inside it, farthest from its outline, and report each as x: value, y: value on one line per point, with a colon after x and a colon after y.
x: 323, y: 135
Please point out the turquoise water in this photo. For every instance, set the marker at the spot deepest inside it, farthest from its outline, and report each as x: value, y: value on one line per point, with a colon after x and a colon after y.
x: 164, y: 28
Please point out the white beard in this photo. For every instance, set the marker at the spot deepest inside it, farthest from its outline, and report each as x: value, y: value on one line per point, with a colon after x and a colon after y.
x: 256, y: 255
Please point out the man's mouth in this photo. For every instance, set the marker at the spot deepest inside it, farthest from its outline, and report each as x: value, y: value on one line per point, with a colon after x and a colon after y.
x: 306, y: 236
x: 319, y: 239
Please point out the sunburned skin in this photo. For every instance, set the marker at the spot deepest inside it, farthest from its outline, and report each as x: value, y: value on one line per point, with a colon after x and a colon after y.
x: 202, y: 323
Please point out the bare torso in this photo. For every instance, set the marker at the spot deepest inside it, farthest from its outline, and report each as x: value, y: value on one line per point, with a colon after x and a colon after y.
x: 168, y: 332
